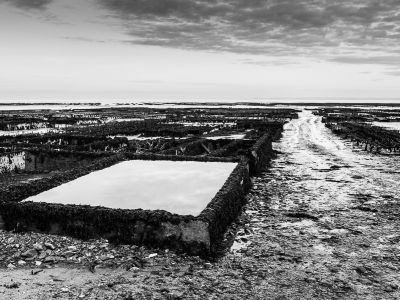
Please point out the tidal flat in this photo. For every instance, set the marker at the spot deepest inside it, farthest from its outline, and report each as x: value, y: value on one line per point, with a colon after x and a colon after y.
x: 319, y: 222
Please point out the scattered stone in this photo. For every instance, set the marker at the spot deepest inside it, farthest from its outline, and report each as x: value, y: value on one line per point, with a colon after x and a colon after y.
x: 38, y: 247
x: 134, y: 269
x: 36, y: 271
x: 10, y: 266
x: 302, y: 215
x: 208, y: 266
x: 49, y: 246
x: 31, y: 253
x: 50, y: 259
x: 21, y: 262
x: 13, y: 285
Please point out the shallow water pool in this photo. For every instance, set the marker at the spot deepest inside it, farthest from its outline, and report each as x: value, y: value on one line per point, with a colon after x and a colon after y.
x: 388, y: 125
x: 183, y: 187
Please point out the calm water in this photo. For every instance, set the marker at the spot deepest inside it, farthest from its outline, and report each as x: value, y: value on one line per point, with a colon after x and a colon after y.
x: 177, y: 187
x: 388, y: 125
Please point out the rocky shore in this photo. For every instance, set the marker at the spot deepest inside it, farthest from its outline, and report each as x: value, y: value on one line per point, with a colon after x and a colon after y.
x: 277, y: 254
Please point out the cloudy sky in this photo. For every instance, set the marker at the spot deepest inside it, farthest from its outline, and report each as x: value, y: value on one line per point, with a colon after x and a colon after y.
x: 199, y: 49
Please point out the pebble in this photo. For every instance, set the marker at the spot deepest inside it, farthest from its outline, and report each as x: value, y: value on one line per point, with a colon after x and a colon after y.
x: 21, y: 262
x: 208, y: 266
x: 29, y: 253
x: 37, y: 247
x: 49, y: 246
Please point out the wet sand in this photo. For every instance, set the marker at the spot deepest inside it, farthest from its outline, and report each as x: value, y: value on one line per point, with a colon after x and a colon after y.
x: 321, y: 223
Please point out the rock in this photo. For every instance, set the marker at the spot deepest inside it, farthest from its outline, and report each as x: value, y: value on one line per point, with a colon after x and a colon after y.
x: 72, y: 248
x: 29, y: 253
x: 361, y: 270
x: 104, y: 257
x: 10, y: 266
x: 92, y: 267
x: 49, y: 246
x: 64, y: 290
x: 152, y: 255
x: 38, y: 263
x: 36, y: 271
x: 390, y: 287
x: 134, y: 269
x: 21, y: 262
x: 50, y: 258
x: 38, y: 247
x: 13, y: 285
x: 17, y: 254
x: 207, y: 266
x: 68, y: 253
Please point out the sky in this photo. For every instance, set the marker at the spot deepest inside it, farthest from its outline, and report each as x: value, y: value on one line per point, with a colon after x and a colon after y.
x: 180, y: 50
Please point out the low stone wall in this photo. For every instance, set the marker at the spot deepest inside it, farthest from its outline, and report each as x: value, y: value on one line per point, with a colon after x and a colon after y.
x: 136, y: 156
x: 195, y: 235
x: 227, y: 204
x: 260, y: 154
x: 153, y: 228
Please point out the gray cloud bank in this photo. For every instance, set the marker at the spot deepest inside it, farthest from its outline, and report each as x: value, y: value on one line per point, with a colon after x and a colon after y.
x: 238, y: 25
x: 338, y: 31
x: 28, y: 4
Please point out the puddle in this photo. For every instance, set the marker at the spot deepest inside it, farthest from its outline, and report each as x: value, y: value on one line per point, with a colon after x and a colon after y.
x: 178, y: 187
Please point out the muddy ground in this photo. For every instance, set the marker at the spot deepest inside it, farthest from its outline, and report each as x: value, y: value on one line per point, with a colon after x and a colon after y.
x: 321, y: 223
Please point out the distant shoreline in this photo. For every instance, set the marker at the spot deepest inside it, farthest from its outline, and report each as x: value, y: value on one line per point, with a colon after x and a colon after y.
x: 211, y: 103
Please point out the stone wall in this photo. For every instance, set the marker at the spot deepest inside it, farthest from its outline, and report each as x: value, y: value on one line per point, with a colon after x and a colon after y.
x: 195, y: 235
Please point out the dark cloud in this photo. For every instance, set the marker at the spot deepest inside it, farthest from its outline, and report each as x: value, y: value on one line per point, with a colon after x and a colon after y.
x: 28, y: 4
x: 334, y: 30
x: 273, y: 27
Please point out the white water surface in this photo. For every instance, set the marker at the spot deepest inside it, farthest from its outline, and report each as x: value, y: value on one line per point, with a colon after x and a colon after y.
x: 388, y: 125
x: 28, y: 131
x: 228, y: 137
x: 183, y: 187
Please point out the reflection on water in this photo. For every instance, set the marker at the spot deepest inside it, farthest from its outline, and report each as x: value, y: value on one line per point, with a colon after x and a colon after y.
x: 28, y: 131
x: 318, y: 170
x: 388, y: 125
x: 177, y: 187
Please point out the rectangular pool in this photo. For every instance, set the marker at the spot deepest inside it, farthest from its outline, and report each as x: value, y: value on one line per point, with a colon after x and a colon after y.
x: 181, y: 187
